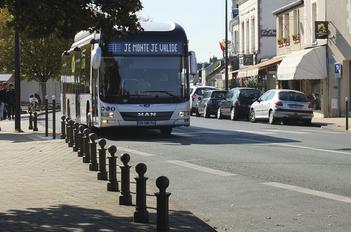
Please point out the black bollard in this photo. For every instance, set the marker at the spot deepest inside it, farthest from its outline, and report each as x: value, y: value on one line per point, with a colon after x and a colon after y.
x: 63, y: 129
x: 75, y: 136
x: 92, y: 148
x: 162, y: 204
x: 125, y: 198
x: 53, y: 117
x: 67, y: 132
x: 30, y: 120
x: 112, y: 186
x: 141, y: 214
x: 35, y: 121
x: 347, y: 112
x: 80, y: 140
x: 46, y: 117
x: 85, y: 144
x: 70, y: 138
x: 102, y: 174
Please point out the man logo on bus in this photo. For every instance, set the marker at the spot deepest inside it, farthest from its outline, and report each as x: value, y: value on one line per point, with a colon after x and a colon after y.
x: 147, y: 114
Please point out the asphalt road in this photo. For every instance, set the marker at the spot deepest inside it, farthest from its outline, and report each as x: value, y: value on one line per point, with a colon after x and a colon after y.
x: 242, y: 176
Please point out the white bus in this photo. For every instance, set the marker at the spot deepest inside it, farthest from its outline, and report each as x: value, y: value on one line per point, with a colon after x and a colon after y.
x: 139, y: 80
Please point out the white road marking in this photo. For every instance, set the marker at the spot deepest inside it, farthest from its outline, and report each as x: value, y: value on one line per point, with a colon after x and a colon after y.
x: 265, y: 143
x: 308, y: 148
x: 326, y: 195
x: 201, y: 168
x: 135, y: 152
x: 285, y: 131
x: 256, y: 132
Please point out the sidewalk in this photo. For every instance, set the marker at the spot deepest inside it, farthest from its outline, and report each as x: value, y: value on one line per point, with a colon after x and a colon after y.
x: 44, y: 186
x: 332, y: 123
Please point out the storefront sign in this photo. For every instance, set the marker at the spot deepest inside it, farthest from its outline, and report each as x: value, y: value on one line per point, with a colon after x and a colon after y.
x: 155, y: 48
x: 268, y: 32
x: 321, y: 29
x: 248, y: 59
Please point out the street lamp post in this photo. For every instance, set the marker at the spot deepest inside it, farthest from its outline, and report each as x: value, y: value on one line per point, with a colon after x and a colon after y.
x: 226, y: 45
x: 17, y: 85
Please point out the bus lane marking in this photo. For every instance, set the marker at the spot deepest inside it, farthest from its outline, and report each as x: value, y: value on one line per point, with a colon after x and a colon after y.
x: 201, y: 168
x: 312, y: 192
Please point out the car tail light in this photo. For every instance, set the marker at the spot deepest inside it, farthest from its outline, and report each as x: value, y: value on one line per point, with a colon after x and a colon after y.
x: 278, y: 103
x: 193, y: 97
x: 237, y: 103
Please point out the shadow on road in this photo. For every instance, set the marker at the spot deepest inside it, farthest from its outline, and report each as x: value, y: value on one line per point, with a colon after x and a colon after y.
x: 192, y: 135
x: 74, y: 218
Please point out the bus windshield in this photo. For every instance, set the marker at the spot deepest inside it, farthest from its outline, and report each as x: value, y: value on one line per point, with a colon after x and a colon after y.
x: 131, y: 79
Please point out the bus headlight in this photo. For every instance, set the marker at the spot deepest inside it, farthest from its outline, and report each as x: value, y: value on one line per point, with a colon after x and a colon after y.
x: 183, y: 114
x: 108, y: 114
x: 111, y: 115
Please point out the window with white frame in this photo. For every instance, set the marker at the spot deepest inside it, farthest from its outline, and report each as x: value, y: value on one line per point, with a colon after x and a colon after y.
x: 314, y: 19
x: 280, y: 26
x: 286, y: 31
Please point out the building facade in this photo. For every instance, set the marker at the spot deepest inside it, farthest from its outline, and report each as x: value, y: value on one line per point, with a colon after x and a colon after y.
x: 338, y: 86
x: 303, y: 66
x: 253, y: 33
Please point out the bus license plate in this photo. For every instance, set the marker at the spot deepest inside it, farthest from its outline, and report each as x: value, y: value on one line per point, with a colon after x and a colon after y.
x: 146, y: 123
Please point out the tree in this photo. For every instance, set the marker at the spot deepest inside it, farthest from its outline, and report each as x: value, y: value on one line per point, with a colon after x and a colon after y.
x: 41, y: 59
x: 6, y: 43
x: 41, y: 18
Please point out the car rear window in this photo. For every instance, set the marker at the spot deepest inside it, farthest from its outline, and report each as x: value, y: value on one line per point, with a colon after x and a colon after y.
x: 201, y: 91
x: 218, y: 94
x: 249, y: 93
x: 292, y: 96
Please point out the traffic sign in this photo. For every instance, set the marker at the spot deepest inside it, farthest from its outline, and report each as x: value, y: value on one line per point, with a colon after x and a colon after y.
x: 337, y: 70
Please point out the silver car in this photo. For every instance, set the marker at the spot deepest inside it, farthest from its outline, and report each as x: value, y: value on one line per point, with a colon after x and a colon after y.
x: 278, y: 105
x: 196, y: 95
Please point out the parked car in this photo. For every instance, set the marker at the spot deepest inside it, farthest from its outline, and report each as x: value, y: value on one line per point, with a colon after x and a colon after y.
x: 196, y: 94
x: 209, y: 103
x: 237, y: 103
x: 282, y: 105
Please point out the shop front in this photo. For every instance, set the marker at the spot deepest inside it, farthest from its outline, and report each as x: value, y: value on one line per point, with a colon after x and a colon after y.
x: 305, y: 71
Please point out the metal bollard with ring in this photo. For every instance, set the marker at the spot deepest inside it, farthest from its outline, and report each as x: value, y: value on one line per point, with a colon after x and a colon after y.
x: 86, y: 152
x: 30, y: 120
x: 112, y: 186
x: 80, y: 140
x: 63, y: 129
x: 75, y: 136
x: 92, y: 148
x: 102, y: 174
x: 126, y: 197
x: 141, y: 214
x: 162, y: 222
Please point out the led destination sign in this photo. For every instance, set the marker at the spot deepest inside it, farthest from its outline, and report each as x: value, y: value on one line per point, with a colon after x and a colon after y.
x: 155, y: 48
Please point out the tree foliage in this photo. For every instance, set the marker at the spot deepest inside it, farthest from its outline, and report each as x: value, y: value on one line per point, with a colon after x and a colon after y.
x: 40, y: 18
x: 6, y: 43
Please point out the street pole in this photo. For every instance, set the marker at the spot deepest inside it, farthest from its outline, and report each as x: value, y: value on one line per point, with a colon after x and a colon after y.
x: 17, y: 84
x: 226, y: 45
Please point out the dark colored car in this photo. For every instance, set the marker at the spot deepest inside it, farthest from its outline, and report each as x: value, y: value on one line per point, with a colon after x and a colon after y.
x: 209, y: 104
x: 237, y: 103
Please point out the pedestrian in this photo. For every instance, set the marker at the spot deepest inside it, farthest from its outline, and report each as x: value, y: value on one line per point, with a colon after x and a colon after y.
x: 10, y: 94
x: 2, y: 102
x: 39, y: 100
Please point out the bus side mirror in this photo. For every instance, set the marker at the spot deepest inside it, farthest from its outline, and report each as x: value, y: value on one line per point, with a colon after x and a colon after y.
x: 96, y: 57
x: 192, y: 63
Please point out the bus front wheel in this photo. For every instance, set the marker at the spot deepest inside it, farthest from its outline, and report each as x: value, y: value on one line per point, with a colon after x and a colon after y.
x: 167, y: 131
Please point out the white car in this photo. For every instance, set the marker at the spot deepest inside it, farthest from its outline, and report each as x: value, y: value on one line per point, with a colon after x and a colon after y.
x: 196, y: 95
x: 282, y: 105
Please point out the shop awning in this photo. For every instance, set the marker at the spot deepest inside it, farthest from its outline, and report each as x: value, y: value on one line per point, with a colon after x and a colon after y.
x: 307, y: 64
x: 254, y: 69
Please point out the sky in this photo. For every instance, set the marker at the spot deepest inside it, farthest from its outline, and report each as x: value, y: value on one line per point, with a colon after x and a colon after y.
x: 203, y: 21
